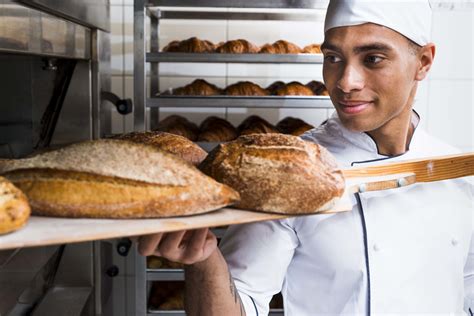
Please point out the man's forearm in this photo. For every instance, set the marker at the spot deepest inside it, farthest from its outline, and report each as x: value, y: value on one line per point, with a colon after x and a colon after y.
x: 210, y: 289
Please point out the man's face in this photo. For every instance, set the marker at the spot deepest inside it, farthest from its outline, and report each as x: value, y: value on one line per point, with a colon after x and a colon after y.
x: 370, y: 72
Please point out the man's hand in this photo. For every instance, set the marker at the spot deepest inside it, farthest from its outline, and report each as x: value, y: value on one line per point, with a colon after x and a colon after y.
x: 187, y: 246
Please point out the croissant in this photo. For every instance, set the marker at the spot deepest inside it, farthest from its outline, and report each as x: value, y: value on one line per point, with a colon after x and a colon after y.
x: 293, y: 126
x: 239, y: 46
x: 245, y: 88
x: 280, y: 47
x: 190, y: 45
x: 255, y: 125
x: 275, y: 86
x: 317, y: 87
x: 179, y: 125
x: 294, y: 88
x: 198, y: 87
x: 216, y: 129
x: 312, y: 49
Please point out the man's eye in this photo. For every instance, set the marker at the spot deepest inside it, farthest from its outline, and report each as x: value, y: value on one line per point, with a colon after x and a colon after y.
x: 373, y: 59
x: 332, y: 59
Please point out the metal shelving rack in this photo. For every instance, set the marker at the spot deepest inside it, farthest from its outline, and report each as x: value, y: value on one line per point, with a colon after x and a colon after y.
x: 146, y: 108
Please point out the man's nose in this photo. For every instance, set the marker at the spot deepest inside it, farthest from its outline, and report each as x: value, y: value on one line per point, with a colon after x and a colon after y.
x: 351, y: 79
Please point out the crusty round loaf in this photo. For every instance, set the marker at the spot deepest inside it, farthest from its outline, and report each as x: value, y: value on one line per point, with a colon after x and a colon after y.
x: 245, y: 88
x: 238, y: 46
x: 293, y: 126
x: 216, y: 129
x: 14, y: 207
x: 174, y: 144
x: 280, y: 47
x: 294, y: 88
x: 178, y: 125
x: 190, y: 45
x: 277, y: 173
x: 115, y: 179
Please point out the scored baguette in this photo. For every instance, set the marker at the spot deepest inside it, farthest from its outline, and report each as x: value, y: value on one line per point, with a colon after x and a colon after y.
x: 115, y: 179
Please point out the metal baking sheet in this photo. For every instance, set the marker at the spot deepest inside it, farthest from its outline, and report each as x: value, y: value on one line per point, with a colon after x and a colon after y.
x: 312, y: 102
x: 234, y: 58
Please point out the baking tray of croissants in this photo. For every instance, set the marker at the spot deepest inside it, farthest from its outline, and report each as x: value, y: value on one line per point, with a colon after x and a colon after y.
x: 238, y: 46
x: 146, y: 182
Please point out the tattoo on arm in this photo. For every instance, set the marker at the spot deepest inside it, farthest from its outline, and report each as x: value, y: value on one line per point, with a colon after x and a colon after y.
x: 235, y: 293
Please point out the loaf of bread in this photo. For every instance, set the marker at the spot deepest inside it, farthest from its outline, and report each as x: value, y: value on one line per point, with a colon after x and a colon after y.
x: 245, y: 88
x: 178, y: 125
x: 294, y: 88
x: 198, y: 87
x: 280, y: 47
x: 190, y: 45
x: 238, y: 46
x: 14, y: 207
x: 312, y: 49
x: 216, y: 129
x: 277, y: 173
x: 114, y: 179
x: 255, y: 125
x: 293, y: 126
x: 174, y: 144
x: 317, y: 87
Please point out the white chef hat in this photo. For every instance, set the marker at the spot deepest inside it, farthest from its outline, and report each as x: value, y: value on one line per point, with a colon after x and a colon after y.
x: 411, y: 18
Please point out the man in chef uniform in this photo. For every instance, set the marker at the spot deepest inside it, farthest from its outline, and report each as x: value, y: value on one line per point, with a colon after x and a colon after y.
x: 402, y: 251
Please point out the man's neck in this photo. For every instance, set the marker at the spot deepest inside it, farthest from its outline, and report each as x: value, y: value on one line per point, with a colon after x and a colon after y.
x: 394, y: 137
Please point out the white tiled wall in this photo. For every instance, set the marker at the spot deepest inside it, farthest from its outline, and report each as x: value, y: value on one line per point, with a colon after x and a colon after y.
x: 444, y: 100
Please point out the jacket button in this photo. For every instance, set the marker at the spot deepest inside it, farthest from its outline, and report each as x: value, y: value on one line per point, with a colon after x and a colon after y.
x: 454, y: 242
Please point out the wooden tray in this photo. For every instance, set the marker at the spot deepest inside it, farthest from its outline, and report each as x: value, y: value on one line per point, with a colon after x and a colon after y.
x: 41, y: 231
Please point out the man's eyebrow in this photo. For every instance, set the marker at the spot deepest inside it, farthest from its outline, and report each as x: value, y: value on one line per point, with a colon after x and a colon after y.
x: 372, y: 46
x: 360, y: 49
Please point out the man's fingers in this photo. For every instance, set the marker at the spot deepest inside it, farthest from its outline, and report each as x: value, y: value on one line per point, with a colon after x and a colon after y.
x: 194, y: 246
x: 210, y: 245
x: 147, y: 244
x: 169, y: 245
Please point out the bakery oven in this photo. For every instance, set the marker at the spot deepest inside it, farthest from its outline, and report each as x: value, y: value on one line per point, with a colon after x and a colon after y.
x: 54, y: 83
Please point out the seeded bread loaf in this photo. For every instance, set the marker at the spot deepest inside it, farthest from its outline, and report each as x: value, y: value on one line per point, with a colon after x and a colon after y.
x: 114, y: 179
x: 277, y: 173
x: 14, y: 207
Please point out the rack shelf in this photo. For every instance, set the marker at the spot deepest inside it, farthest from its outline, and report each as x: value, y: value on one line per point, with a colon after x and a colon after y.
x: 296, y: 102
x: 234, y: 58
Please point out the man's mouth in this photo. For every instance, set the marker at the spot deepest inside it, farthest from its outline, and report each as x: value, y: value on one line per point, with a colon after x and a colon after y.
x: 353, y: 106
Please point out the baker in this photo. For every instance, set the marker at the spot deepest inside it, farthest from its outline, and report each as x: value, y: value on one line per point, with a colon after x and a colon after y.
x: 403, y: 251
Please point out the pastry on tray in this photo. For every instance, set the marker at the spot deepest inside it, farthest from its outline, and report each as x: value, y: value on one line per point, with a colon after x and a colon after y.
x: 190, y: 45
x: 178, y: 125
x: 245, y: 88
x: 216, y: 129
x: 238, y: 46
x: 280, y: 47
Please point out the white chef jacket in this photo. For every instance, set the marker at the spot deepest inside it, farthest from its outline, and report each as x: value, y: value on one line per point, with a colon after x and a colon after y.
x: 402, y: 251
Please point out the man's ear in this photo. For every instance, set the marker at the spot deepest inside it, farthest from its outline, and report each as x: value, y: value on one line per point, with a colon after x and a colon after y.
x: 425, y: 57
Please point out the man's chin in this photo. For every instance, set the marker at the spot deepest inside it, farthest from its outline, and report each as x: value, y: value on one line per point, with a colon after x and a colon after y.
x: 355, y: 124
